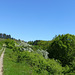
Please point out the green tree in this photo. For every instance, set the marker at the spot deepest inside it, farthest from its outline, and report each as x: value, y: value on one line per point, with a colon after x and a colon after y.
x: 4, y: 36
x: 63, y: 48
x: 0, y: 35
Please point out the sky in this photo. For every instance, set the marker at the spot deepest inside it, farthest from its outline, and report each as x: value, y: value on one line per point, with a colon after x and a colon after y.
x: 37, y: 19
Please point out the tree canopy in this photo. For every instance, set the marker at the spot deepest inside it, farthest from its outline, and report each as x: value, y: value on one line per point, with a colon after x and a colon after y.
x: 63, y: 48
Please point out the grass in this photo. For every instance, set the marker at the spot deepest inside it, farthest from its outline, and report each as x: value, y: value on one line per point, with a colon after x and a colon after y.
x: 13, y: 68
x: 29, y: 64
x: 1, y: 45
x: 1, y: 50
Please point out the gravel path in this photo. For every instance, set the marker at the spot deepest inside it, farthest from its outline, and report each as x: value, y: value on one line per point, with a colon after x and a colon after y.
x: 1, y: 63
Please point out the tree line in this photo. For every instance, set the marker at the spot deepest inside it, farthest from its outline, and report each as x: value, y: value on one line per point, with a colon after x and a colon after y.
x: 5, y: 36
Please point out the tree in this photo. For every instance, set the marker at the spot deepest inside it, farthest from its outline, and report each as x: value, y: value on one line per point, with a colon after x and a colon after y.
x: 4, y: 36
x: 63, y: 48
x: 0, y: 35
x: 9, y: 36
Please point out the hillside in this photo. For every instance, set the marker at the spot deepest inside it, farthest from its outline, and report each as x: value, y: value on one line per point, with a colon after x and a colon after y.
x: 55, y: 57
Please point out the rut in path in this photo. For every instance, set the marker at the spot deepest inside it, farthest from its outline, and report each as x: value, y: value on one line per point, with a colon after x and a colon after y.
x: 1, y: 62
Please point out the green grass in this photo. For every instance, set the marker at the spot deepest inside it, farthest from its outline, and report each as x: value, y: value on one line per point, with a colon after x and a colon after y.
x: 1, y: 50
x: 13, y: 68
x: 1, y: 45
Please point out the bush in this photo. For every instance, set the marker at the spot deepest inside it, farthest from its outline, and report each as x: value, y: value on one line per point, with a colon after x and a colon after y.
x: 63, y: 48
x: 10, y: 43
x: 39, y: 64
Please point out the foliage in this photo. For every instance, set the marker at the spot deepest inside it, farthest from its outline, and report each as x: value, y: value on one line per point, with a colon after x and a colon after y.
x: 37, y: 61
x: 40, y: 44
x: 5, y: 36
x: 63, y: 48
x: 32, y: 58
x: 10, y: 43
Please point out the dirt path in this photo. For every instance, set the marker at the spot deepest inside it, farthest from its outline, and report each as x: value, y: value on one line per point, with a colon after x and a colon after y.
x: 1, y: 63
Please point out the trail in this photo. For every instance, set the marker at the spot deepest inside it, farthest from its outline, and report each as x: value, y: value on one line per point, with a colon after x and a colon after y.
x: 1, y: 62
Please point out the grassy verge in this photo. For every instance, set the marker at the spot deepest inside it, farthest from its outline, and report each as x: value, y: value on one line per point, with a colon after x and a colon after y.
x: 1, y: 51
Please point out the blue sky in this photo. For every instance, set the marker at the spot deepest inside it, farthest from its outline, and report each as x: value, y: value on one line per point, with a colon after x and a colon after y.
x: 37, y: 19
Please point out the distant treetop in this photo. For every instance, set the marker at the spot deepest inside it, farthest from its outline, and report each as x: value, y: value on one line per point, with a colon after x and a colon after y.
x: 4, y: 36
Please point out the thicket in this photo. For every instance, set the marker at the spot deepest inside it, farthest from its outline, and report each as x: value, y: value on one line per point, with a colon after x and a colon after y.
x: 63, y: 48
x: 38, y: 63
x: 40, y: 44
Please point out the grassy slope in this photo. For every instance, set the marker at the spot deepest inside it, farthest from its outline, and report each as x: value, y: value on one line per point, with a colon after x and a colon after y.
x: 13, y: 68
